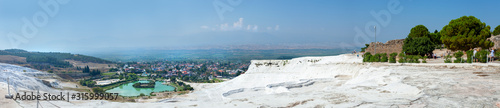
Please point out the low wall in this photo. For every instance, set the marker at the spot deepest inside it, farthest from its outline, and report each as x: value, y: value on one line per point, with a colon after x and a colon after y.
x: 391, y: 46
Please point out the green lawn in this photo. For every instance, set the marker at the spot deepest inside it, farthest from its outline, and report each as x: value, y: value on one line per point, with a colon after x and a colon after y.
x: 108, y: 73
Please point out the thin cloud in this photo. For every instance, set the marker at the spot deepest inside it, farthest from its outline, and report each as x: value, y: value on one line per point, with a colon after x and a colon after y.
x: 237, y: 26
x: 204, y: 27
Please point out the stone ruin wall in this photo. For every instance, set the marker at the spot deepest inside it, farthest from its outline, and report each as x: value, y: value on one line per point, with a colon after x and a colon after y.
x: 496, y: 41
x: 391, y: 46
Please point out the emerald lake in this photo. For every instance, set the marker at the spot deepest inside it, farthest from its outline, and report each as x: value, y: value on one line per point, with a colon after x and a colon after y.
x: 129, y: 90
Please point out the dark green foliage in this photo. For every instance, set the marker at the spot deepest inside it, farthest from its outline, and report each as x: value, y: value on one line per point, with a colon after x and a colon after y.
x: 418, y: 46
x: 379, y: 57
x: 469, y: 56
x: 150, y: 84
x: 424, y: 59
x: 372, y: 59
x: 113, y: 69
x: 384, y: 57
x: 97, y: 90
x: 410, y: 59
x: 363, y: 49
x: 402, y: 58
x: 367, y: 56
x: 447, y: 59
x: 418, y: 41
x: 458, y: 57
x: 37, y: 59
x: 188, y: 87
x: 435, y: 37
x: 87, y: 82
x: 413, y: 58
x: 392, y: 58
x: 131, y: 77
x: 376, y: 58
x: 172, y: 79
x: 95, y: 72
x: 497, y: 54
x: 482, y: 55
x: 419, y: 31
x: 497, y: 30
x: 465, y: 33
x: 86, y: 69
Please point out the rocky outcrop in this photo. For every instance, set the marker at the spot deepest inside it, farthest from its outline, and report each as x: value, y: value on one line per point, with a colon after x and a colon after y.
x: 496, y: 41
x: 391, y: 46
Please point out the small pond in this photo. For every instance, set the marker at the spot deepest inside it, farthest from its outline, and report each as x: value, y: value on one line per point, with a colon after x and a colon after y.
x: 129, y: 90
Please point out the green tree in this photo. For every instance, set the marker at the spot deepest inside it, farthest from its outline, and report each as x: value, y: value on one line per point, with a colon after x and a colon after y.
x: 497, y: 30
x: 95, y: 72
x: 418, y: 41
x: 465, y: 33
x: 86, y: 69
x: 418, y: 46
x: 435, y: 37
x: 97, y: 90
x: 419, y: 31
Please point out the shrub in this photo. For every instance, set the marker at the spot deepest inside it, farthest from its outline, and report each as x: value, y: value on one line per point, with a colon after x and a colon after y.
x: 482, y: 56
x: 447, y: 59
x: 367, y: 56
x: 392, y: 59
x: 373, y: 59
x: 424, y: 59
x: 415, y: 58
x: 384, y: 57
x: 376, y: 58
x: 97, y: 90
x: 402, y: 58
x: 458, y: 57
x: 469, y: 56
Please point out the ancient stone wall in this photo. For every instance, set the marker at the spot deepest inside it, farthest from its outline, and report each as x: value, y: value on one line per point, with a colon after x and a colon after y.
x: 391, y: 46
x: 496, y: 41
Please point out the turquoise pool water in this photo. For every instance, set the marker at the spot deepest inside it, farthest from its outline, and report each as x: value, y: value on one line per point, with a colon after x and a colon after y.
x: 129, y: 90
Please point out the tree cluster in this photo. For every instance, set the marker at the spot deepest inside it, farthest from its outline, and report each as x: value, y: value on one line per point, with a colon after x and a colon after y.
x: 419, y: 41
x: 466, y: 33
x: 496, y: 31
x: 93, y: 72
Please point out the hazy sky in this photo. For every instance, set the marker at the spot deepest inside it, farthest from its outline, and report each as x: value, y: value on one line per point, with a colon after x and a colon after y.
x: 86, y: 25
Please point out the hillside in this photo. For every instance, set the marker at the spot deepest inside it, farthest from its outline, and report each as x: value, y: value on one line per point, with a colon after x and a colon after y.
x: 336, y: 81
x: 45, y: 60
